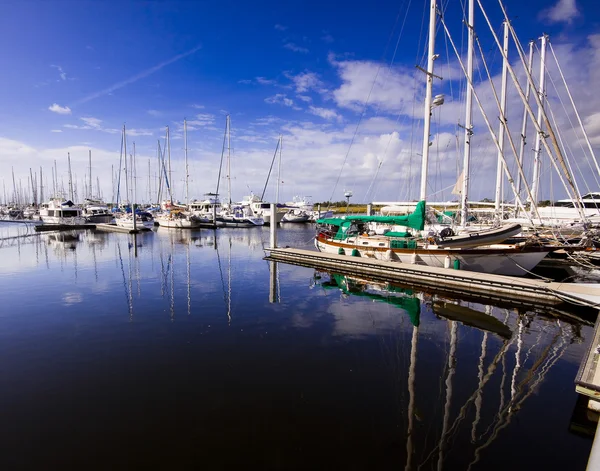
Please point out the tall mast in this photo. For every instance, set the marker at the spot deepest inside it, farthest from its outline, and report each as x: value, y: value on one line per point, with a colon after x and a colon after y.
x: 41, y: 186
x: 133, y: 175
x: 14, y: 186
x: 464, y: 210
x: 535, y: 186
x: 33, y: 191
x: 524, y: 122
x: 500, y: 166
x: 70, y: 177
x: 55, y: 178
x: 149, y: 185
x: 125, y: 155
x: 187, y: 189
x: 428, y: 89
x: 229, y: 157
x: 90, y: 158
x: 170, y: 174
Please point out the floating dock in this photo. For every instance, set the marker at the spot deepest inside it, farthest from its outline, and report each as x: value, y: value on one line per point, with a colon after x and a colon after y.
x: 115, y: 228
x: 502, y: 288
x: 62, y: 227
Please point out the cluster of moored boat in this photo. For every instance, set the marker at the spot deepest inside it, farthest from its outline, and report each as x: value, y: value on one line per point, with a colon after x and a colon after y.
x: 210, y: 212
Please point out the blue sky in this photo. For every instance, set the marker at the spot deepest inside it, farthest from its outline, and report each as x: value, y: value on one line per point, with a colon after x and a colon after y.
x: 76, y: 71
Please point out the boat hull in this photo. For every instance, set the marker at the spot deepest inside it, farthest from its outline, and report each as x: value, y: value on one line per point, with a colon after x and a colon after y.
x: 127, y: 223
x: 509, y: 260
x: 222, y: 221
x: 99, y: 218
x: 178, y: 223
x: 72, y: 221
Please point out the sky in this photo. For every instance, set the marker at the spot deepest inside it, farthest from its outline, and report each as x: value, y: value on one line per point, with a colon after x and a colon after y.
x: 337, y: 80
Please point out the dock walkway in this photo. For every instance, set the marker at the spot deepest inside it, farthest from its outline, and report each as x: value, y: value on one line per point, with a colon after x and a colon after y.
x: 467, y: 282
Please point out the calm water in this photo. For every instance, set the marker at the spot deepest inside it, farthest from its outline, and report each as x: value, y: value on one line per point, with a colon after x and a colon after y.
x: 176, y: 359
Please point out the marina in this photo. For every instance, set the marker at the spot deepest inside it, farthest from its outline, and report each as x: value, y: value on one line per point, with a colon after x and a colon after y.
x: 404, y: 373
x: 358, y: 236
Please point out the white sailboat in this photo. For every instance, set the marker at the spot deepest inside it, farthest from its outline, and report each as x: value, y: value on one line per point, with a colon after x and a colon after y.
x: 180, y: 218
x: 351, y: 235
x: 134, y: 220
x: 234, y: 215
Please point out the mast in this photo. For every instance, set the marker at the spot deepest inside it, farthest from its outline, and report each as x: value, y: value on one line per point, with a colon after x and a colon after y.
x: 170, y: 174
x: 229, y: 158
x: 187, y: 188
x: 464, y: 210
x: 524, y: 122
x: 428, y: 89
x: 90, y: 158
x: 125, y: 155
x: 55, y: 178
x: 14, y: 186
x: 535, y: 189
x: 134, y: 192
x: 500, y: 166
x: 33, y: 196
x: 41, y: 186
x: 70, y: 177
x: 149, y: 185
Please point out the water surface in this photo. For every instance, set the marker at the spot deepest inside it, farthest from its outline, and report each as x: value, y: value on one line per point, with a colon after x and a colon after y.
x: 185, y: 349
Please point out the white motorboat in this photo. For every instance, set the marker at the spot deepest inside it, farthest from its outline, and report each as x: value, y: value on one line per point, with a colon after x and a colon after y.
x: 61, y: 211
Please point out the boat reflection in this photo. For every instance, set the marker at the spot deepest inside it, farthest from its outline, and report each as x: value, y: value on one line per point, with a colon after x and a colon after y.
x: 517, y: 350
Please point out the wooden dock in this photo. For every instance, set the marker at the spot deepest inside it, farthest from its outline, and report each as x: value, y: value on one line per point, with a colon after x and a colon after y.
x: 504, y: 288
x: 587, y: 381
x: 115, y: 228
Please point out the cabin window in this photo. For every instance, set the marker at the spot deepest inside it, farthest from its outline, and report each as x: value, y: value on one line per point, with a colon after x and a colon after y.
x: 50, y: 212
x: 69, y: 213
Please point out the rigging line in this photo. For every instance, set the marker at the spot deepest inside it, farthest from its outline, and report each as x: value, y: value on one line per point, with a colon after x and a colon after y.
x: 565, y: 148
x: 574, y: 107
x: 571, y: 122
x: 221, y: 163
x: 538, y: 101
x: 270, y: 168
x: 490, y: 130
x: 364, y: 110
x: 399, y: 114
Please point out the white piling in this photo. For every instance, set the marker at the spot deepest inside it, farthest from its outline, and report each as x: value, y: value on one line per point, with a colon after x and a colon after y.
x: 273, y: 227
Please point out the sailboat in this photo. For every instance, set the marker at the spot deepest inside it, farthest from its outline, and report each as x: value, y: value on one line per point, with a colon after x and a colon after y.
x: 233, y: 215
x: 180, y: 218
x: 352, y: 235
x: 133, y: 220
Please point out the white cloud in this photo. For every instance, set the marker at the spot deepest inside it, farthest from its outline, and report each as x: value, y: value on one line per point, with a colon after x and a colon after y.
x: 279, y: 27
x: 198, y: 107
x: 92, y: 122
x: 265, y: 81
x: 56, y: 130
x: 306, y: 81
x: 324, y: 113
x: 564, y: 11
x: 281, y: 99
x: 203, y: 119
x: 56, y: 108
x: 294, y: 47
x: 95, y: 124
x: 304, y: 98
x: 393, y: 90
x: 61, y: 72
x: 154, y: 113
